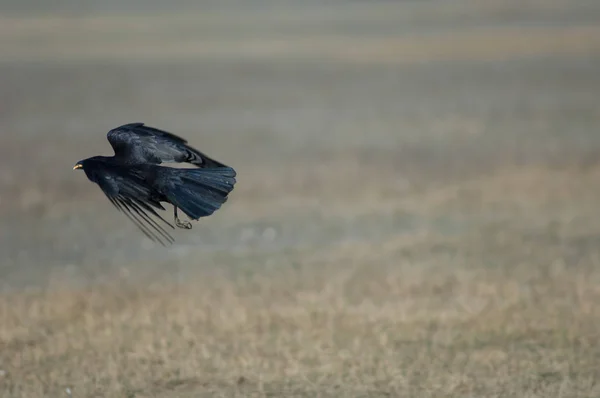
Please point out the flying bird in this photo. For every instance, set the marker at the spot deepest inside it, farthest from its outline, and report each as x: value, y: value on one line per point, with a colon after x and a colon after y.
x: 136, y: 184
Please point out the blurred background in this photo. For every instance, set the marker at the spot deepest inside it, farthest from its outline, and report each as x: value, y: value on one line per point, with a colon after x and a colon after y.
x: 337, y: 115
x: 453, y: 144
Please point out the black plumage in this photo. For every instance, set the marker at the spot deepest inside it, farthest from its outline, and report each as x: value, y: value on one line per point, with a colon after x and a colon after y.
x: 136, y: 143
x: 136, y: 185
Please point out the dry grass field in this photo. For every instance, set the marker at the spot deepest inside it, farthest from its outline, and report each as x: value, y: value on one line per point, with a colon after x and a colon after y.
x: 416, y: 215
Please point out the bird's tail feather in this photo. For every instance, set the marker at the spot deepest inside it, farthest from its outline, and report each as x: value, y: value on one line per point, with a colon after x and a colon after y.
x: 200, y: 192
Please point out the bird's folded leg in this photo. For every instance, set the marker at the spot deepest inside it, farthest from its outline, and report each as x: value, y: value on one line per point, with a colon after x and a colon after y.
x: 179, y: 223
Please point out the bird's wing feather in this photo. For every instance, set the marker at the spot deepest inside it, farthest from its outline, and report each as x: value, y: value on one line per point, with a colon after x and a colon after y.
x: 129, y: 193
x: 138, y: 143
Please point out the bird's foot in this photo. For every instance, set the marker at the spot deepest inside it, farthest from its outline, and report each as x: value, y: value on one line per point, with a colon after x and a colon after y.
x: 183, y: 224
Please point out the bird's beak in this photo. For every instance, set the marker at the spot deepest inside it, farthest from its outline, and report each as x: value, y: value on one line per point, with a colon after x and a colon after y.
x: 77, y: 166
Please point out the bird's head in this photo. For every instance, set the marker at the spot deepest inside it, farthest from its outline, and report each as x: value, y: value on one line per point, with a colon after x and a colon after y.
x: 90, y: 163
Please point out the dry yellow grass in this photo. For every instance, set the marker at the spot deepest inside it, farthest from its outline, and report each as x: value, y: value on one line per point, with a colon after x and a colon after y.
x: 505, y: 310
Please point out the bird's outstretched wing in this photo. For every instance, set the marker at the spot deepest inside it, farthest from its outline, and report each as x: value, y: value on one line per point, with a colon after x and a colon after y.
x: 136, y: 143
x: 128, y: 191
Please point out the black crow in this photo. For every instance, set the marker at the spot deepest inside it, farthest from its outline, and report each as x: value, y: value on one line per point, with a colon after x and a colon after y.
x: 135, y: 183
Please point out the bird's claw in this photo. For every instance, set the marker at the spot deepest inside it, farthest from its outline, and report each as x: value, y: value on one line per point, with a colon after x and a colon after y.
x: 183, y: 224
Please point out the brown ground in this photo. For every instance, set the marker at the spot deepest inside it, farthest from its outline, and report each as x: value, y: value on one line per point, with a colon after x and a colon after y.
x: 416, y: 213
